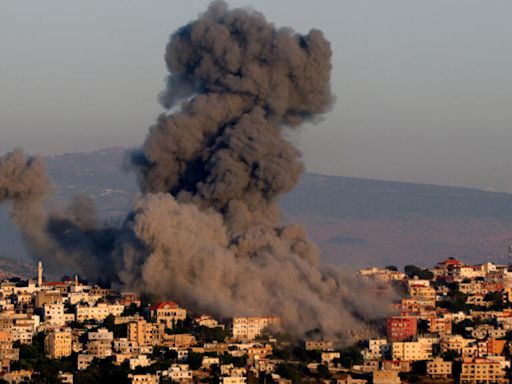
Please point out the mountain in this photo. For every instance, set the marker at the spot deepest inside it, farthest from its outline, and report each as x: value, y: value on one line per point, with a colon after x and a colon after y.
x: 355, y: 222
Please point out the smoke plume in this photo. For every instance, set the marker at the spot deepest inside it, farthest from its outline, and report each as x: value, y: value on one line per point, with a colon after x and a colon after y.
x: 206, y: 230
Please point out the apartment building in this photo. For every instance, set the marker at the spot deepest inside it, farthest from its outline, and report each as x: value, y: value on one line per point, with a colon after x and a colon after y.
x: 100, y: 343
x: 145, y: 333
x: 400, y: 328
x: 411, y: 351
x: 57, y: 343
x: 439, y: 369
x: 482, y: 371
x: 98, y: 312
x: 249, y: 328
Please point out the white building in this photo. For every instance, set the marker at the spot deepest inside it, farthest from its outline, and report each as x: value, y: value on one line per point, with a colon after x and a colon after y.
x: 248, y: 328
x: 98, y: 312
x: 180, y: 373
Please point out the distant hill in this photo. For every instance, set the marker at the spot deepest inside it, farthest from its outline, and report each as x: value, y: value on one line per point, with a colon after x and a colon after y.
x: 356, y: 222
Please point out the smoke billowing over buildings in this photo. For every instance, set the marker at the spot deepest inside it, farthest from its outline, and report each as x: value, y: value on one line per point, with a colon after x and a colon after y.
x: 206, y: 229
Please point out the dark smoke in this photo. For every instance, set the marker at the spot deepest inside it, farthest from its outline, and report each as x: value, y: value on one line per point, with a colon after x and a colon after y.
x: 206, y: 231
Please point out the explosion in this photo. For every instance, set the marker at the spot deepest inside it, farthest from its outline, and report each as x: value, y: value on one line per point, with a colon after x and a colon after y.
x: 206, y: 230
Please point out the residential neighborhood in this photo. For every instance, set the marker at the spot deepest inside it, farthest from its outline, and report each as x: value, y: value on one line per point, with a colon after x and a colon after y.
x: 449, y: 324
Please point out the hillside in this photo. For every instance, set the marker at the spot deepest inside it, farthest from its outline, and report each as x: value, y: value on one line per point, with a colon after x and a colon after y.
x: 356, y: 222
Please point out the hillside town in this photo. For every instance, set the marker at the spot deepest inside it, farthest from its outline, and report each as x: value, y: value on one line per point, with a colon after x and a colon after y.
x: 450, y: 324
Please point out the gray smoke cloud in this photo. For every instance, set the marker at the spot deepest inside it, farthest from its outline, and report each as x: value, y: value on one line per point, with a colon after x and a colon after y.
x: 206, y: 230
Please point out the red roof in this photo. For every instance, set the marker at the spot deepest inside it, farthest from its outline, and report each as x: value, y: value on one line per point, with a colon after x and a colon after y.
x: 164, y: 305
x: 451, y: 261
x: 56, y: 283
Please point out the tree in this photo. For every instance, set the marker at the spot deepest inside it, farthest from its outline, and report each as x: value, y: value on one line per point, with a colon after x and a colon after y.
x: 290, y: 372
x: 391, y: 268
x: 208, y: 335
x: 457, y: 301
x: 195, y: 360
x: 323, y: 371
x: 425, y: 274
x: 131, y: 310
x: 411, y: 270
x: 450, y: 355
x: 350, y: 356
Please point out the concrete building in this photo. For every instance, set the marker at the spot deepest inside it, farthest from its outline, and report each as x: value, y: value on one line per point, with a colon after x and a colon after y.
x: 144, y: 333
x: 98, y: 312
x: 328, y: 357
x: 386, y: 377
x: 139, y: 361
x: 455, y: 343
x: 83, y: 361
x: 320, y: 345
x: 53, y: 314
x: 207, y: 321
x: 482, y: 371
x: 144, y: 379
x: 57, y: 344
x: 401, y: 328
x: 99, y: 343
x: 180, y: 373
x: 411, y: 351
x: 378, y: 349
x: 248, y: 328
x: 168, y: 313
x: 439, y: 369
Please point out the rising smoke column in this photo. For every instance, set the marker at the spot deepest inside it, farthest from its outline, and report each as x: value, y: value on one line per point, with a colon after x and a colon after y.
x: 213, y: 169
x: 206, y: 230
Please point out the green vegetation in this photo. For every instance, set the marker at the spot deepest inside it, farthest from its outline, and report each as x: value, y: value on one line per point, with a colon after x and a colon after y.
x: 291, y: 372
x: 412, y: 270
x: 450, y: 355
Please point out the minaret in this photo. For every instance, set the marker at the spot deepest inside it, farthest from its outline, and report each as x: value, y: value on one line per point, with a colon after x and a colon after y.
x: 40, y: 274
x: 76, y: 281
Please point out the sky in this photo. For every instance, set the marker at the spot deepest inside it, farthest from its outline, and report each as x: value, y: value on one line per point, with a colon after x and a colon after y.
x: 423, y: 87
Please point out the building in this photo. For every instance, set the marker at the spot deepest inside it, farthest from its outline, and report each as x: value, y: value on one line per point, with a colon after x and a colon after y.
x: 144, y: 333
x: 83, y: 361
x: 233, y: 380
x: 207, y: 321
x: 168, y: 313
x: 57, y: 344
x: 441, y: 326
x: 98, y: 312
x: 378, y: 349
x: 180, y: 373
x: 53, y: 314
x: 181, y: 340
x: 47, y: 297
x: 411, y: 350
x: 455, y: 343
x: 401, y: 328
x: 248, y: 328
x: 139, y: 361
x: 439, y: 369
x: 99, y: 343
x: 482, y: 371
x: 386, y: 377
x: 321, y: 345
x: 328, y: 357
x: 21, y: 376
x: 144, y: 379
x: 66, y: 377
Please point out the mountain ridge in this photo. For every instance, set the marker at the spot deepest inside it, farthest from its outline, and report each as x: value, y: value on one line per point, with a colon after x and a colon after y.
x: 355, y: 221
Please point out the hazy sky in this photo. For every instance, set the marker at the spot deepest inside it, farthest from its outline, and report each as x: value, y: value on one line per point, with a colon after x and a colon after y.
x: 424, y: 87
